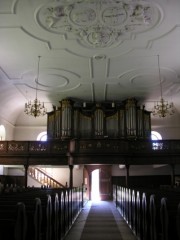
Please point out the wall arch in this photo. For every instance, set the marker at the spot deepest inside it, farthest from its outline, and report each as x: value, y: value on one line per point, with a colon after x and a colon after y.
x: 2, y: 133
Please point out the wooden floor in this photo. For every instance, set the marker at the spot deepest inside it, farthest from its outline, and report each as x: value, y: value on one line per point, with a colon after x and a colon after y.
x: 100, y: 221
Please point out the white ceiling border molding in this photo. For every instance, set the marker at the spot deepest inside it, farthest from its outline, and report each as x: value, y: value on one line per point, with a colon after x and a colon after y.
x: 67, y: 78
x: 5, y: 76
x: 47, y: 43
x: 11, y: 7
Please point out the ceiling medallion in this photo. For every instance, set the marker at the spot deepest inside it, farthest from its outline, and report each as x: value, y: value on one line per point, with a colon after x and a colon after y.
x: 98, y: 23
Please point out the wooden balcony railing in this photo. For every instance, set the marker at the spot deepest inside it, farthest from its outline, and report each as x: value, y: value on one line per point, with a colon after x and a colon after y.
x: 33, y: 147
x: 89, y: 151
x: 80, y: 146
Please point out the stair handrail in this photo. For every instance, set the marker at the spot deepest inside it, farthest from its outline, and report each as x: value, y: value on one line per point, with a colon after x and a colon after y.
x: 51, y: 178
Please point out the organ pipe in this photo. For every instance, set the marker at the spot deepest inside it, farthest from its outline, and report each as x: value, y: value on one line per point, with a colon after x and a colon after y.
x: 98, y: 120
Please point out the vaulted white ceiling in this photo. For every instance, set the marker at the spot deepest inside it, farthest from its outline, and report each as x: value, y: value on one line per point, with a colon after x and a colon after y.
x: 92, y: 50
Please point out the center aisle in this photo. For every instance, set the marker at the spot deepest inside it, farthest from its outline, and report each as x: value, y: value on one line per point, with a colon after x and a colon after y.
x: 100, y: 220
x: 100, y: 223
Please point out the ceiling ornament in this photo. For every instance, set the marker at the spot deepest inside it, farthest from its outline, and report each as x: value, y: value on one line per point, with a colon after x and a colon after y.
x: 35, y: 108
x: 162, y: 108
x: 99, y: 23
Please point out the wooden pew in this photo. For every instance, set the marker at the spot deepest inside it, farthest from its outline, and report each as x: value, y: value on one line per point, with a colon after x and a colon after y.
x: 56, y: 217
x: 151, y: 217
x: 37, y: 219
x: 145, y: 217
x: 49, y: 213
x: 168, y: 216
x: 20, y: 230
x: 13, y: 222
x: 178, y: 221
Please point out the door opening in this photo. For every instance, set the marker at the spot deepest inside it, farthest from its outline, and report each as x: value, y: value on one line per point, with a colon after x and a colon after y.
x: 95, y: 195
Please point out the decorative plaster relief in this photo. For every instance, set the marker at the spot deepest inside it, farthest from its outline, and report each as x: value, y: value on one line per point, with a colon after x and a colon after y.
x: 99, y: 23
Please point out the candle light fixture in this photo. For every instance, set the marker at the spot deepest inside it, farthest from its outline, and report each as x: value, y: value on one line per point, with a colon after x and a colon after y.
x: 35, y: 108
x: 162, y: 108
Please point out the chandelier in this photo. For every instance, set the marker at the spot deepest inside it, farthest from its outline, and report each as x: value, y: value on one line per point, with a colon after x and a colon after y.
x: 35, y: 108
x: 162, y: 108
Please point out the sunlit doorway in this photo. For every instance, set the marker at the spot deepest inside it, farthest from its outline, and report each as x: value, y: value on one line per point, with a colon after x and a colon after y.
x: 95, y: 195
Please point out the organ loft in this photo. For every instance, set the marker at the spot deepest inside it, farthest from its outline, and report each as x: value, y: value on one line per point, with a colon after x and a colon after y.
x: 91, y: 120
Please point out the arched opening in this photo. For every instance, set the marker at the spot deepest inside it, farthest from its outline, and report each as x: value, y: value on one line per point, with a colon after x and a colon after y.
x: 95, y: 196
x: 2, y: 132
x: 42, y: 136
x: 155, y: 135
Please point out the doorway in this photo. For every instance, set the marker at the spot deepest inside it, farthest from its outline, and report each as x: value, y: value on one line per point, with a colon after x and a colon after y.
x: 95, y: 185
x: 98, y: 182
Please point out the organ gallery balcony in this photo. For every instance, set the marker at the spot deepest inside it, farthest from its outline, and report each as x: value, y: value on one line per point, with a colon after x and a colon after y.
x: 91, y: 151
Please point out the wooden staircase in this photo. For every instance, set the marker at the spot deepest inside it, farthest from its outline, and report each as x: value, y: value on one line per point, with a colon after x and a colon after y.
x: 43, y: 178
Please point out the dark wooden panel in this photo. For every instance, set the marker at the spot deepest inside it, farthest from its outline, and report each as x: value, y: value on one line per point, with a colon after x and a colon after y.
x: 48, y: 161
x: 13, y: 160
x: 105, y: 183
x: 151, y: 181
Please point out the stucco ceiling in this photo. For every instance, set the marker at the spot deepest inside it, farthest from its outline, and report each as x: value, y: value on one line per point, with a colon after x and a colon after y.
x: 92, y: 50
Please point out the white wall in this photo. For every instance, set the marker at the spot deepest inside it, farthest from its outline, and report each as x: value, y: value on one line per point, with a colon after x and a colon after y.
x: 61, y: 174
x: 28, y: 133
x: 1, y: 170
x: 78, y: 175
x: 15, y: 171
x: 168, y: 133
x: 168, y: 127
x: 32, y: 182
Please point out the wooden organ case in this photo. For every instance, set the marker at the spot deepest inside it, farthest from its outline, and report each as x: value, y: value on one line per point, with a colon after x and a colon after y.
x: 73, y: 119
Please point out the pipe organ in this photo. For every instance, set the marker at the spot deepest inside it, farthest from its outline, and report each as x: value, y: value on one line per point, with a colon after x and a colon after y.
x: 66, y: 111
x: 124, y: 120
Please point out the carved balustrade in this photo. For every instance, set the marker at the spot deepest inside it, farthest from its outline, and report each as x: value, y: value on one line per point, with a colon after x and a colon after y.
x: 80, y: 146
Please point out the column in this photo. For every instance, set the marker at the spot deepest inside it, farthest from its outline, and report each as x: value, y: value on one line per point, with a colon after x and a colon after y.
x: 26, y: 175
x: 172, y: 175
x: 71, y: 176
x: 127, y: 175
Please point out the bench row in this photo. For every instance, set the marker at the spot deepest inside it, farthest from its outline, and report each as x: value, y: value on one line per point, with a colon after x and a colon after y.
x: 151, y: 214
x: 39, y: 214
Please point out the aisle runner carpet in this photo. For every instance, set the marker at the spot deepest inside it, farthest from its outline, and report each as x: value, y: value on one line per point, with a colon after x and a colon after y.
x: 100, y: 224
